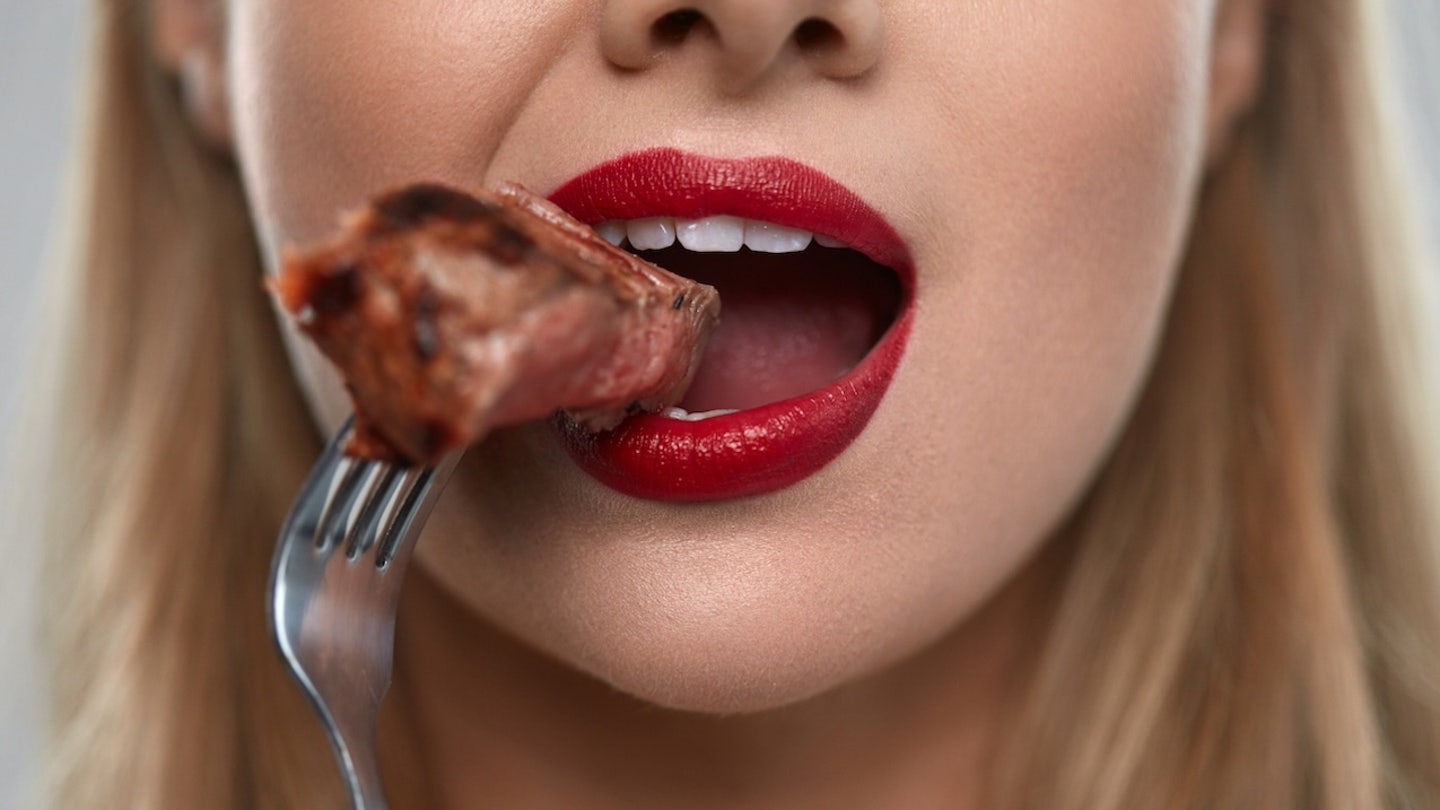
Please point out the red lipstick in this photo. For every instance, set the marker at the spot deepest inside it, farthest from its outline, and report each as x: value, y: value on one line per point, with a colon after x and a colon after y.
x: 757, y: 450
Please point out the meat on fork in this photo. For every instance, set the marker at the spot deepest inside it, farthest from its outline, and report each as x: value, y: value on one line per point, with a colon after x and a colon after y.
x: 450, y: 313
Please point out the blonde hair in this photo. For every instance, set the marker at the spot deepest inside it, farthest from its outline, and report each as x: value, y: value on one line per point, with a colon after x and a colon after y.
x: 1247, y: 614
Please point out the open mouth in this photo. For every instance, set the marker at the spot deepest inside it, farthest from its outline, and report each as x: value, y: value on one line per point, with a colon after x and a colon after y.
x: 815, y: 289
x: 798, y: 313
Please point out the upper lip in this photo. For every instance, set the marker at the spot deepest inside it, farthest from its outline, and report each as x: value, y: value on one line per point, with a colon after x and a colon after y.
x: 781, y: 190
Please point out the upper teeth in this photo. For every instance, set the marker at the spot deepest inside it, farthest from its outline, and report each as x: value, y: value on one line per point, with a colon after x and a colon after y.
x: 719, y: 234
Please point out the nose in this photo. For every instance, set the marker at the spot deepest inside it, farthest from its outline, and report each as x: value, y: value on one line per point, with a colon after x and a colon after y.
x: 838, y: 39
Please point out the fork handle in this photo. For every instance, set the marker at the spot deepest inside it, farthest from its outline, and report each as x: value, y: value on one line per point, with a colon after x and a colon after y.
x: 362, y: 777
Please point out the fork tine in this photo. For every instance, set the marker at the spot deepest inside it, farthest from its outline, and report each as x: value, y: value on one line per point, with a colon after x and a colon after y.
x: 404, y: 513
x: 375, y: 505
x: 352, y: 478
x: 310, y: 509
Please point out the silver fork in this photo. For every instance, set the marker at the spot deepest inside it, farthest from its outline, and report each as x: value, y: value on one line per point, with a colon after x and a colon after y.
x: 334, y: 585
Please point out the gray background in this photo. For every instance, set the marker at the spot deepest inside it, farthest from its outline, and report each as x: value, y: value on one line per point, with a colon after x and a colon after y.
x: 40, y: 41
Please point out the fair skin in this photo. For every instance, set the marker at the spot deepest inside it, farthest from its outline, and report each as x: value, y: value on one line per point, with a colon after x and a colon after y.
x: 850, y: 640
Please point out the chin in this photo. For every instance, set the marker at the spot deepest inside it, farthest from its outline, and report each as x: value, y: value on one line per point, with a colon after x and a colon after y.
x: 735, y: 664
x: 700, y: 620
x: 721, y: 684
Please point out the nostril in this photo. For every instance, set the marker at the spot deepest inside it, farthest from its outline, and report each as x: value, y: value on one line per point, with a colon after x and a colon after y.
x: 835, y: 39
x: 815, y: 34
x: 672, y: 28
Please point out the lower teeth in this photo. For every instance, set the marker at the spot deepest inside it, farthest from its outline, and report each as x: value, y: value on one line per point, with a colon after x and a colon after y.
x: 686, y: 416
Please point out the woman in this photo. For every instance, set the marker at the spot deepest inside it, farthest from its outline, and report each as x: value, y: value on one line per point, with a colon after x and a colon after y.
x: 1139, y: 519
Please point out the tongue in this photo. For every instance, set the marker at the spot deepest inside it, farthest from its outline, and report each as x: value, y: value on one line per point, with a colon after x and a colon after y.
x: 789, y: 323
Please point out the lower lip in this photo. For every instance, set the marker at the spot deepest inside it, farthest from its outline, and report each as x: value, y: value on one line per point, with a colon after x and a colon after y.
x: 751, y: 452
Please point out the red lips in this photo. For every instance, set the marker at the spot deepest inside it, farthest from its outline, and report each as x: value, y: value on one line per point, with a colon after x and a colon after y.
x: 761, y: 449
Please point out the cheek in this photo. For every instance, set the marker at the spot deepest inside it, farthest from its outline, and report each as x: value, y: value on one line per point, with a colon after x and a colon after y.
x: 335, y: 101
x: 1069, y: 163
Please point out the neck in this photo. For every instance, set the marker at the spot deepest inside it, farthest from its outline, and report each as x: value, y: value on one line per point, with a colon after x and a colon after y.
x: 476, y: 718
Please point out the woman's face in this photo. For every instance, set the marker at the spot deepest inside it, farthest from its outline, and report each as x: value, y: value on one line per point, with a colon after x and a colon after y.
x: 1038, y: 161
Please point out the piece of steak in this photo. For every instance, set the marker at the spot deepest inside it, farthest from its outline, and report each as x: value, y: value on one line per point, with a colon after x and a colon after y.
x: 450, y: 313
